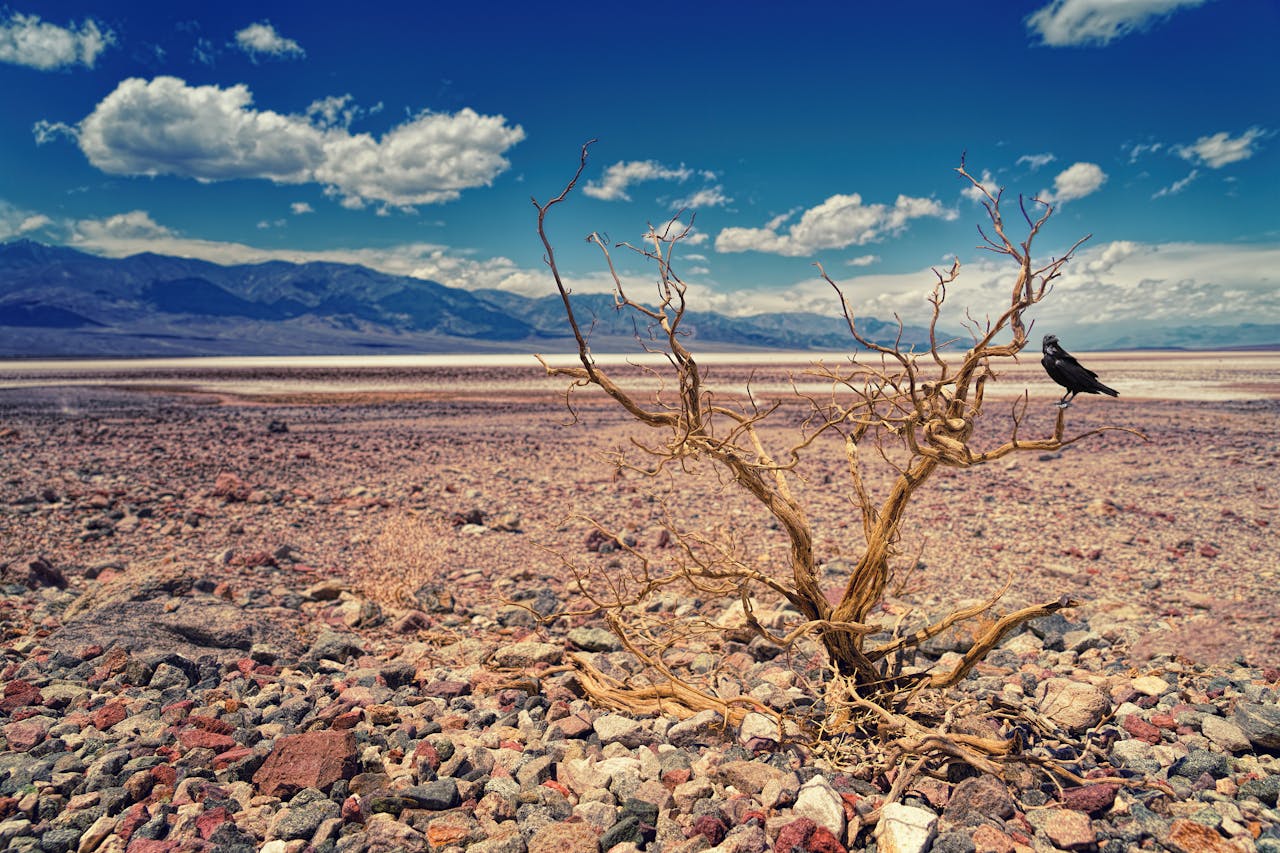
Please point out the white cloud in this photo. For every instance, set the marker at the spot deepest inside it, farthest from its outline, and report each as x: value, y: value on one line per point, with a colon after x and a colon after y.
x: 1066, y: 23
x: 166, y: 127
x: 1035, y: 161
x: 840, y: 221
x: 1177, y: 186
x: 1138, y: 149
x: 706, y: 197
x: 301, y: 207
x: 15, y: 222
x: 27, y: 40
x: 338, y: 111
x: 1220, y: 149
x: 261, y: 39
x: 1076, y: 181
x: 131, y: 227
x: 863, y: 261
x: 621, y: 175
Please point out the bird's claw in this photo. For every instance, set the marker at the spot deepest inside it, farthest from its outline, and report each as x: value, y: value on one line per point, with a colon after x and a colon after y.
x: 1062, y: 404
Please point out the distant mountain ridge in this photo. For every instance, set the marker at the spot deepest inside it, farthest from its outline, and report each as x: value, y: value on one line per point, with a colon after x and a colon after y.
x: 60, y: 302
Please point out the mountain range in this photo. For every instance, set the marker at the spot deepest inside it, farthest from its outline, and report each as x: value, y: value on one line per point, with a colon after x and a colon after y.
x: 59, y: 302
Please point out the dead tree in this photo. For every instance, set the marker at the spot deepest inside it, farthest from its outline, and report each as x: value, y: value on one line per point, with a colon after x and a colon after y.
x: 914, y: 411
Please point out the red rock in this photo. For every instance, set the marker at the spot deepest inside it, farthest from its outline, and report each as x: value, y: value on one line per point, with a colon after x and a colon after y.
x: 19, y: 694
x: 309, y: 760
x: 347, y: 720
x: 822, y: 841
x: 209, y: 821
x: 1208, y: 551
x: 988, y: 839
x: 575, y: 726
x: 108, y: 715
x: 223, y: 760
x: 147, y: 845
x: 1094, y: 799
x: 793, y: 836
x: 201, y: 739
x: 210, y: 724
x: 556, y: 786
x: 135, y: 817
x: 25, y: 734
x: 230, y: 487
x: 1191, y: 837
x: 1141, y: 729
x: 164, y: 774
x: 90, y: 651
x: 352, y: 811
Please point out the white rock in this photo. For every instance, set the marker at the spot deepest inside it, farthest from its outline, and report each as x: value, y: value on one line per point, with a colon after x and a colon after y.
x: 904, y: 829
x: 757, y: 725
x: 1150, y: 685
x: 819, y: 802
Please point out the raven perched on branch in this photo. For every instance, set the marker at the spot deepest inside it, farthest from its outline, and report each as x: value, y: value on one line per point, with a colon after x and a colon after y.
x: 1063, y: 368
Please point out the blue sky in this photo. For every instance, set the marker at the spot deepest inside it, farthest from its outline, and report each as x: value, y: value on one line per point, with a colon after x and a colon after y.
x: 412, y: 140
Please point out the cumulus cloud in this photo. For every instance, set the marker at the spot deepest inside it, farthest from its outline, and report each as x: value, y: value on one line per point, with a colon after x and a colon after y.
x: 166, y: 127
x: 15, y: 222
x: 863, y: 261
x: 706, y: 197
x: 261, y: 39
x: 1035, y: 161
x: 27, y: 40
x: 621, y: 175
x: 1177, y: 186
x: 1068, y: 23
x: 1220, y: 149
x: 132, y: 227
x: 1076, y: 181
x: 840, y: 221
x: 301, y: 207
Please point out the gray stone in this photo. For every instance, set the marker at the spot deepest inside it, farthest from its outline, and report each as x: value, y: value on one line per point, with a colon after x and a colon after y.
x: 1225, y: 734
x: 435, y: 796
x: 1260, y: 723
x: 535, y: 771
x: 702, y: 729
x: 1265, y: 789
x: 904, y: 829
x: 330, y: 645
x: 1071, y: 704
x: 528, y: 654
x: 594, y: 639
x: 1200, y: 761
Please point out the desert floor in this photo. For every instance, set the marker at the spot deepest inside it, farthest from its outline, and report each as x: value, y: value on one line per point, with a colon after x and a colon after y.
x: 366, y: 474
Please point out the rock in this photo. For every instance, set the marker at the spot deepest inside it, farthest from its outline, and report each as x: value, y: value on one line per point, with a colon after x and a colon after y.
x: 1150, y: 685
x: 702, y: 729
x: 749, y: 777
x: 565, y: 837
x: 594, y: 639
x: 1266, y: 789
x: 528, y: 654
x: 820, y: 802
x: 34, y: 573
x: 904, y: 829
x: 616, y: 728
x: 310, y: 760
x: 1094, y: 799
x: 758, y: 728
x: 1260, y: 724
x: 1198, y: 762
x: 983, y: 795
x: 330, y: 645
x: 1073, y: 705
x: 1188, y: 836
x: 1225, y: 734
x: 1066, y: 829
x: 435, y: 796
x: 988, y: 839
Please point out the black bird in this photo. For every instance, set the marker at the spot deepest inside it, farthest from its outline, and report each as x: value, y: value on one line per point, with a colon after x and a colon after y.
x: 1063, y: 368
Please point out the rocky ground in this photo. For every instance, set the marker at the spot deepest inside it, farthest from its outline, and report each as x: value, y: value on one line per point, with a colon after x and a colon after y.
x: 286, y: 624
